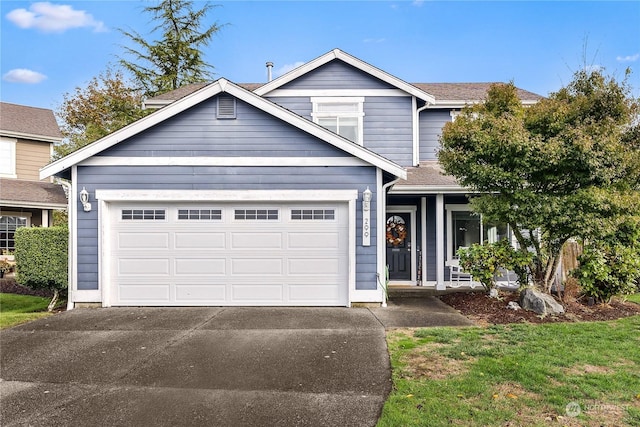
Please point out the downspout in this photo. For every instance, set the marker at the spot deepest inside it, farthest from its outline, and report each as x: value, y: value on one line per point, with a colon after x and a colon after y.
x: 383, y: 202
x: 416, y: 157
x: 67, y: 190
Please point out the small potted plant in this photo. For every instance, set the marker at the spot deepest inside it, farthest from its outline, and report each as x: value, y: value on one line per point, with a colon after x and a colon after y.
x: 5, y: 267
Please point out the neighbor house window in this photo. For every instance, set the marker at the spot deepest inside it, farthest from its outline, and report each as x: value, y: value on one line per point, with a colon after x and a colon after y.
x: 342, y: 115
x: 8, y: 227
x: 8, y: 157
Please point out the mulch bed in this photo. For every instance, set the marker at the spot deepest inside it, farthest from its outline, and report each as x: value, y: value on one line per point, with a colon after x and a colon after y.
x: 484, y: 310
x: 8, y: 285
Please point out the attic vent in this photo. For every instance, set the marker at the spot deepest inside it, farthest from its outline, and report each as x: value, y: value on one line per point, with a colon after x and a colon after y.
x: 226, y: 107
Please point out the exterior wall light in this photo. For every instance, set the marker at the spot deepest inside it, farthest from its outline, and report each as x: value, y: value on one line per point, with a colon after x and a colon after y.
x: 84, y: 199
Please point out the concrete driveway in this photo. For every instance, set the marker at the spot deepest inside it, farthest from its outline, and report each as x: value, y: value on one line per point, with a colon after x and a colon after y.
x: 195, y: 366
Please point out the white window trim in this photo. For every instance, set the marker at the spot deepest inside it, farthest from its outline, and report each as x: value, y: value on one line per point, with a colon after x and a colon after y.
x: 11, y: 143
x: 359, y: 100
x: 457, y: 208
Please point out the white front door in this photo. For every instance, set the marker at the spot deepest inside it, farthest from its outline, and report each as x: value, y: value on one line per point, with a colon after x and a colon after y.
x: 230, y: 253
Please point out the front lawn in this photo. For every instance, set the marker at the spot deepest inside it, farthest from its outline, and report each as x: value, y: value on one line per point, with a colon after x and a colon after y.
x: 634, y: 298
x: 568, y: 374
x: 17, y: 309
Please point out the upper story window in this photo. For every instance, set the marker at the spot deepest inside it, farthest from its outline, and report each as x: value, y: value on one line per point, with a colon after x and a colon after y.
x: 8, y: 157
x: 342, y: 115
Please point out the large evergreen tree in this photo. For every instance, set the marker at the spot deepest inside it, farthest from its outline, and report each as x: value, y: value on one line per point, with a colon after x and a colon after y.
x: 176, y: 58
x: 567, y: 167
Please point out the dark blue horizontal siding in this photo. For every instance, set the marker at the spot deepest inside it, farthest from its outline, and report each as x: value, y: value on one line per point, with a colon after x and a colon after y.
x: 388, y: 128
x: 431, y: 123
x: 222, y: 178
x: 196, y: 132
x: 337, y: 75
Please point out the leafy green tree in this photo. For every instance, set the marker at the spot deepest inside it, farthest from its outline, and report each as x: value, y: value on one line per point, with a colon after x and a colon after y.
x: 176, y: 58
x: 566, y: 167
x: 106, y: 104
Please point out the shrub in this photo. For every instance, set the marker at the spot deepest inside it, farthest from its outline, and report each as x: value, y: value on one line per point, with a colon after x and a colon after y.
x: 484, y: 262
x: 610, y: 266
x: 42, y: 259
x: 606, y: 271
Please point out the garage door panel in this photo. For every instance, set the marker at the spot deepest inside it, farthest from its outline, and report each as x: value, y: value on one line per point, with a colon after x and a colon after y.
x: 231, y: 260
x: 134, y: 292
x: 256, y: 240
x: 319, y: 292
x: 205, y: 292
x: 143, y: 240
x: 200, y: 240
x: 256, y: 266
x: 315, y: 240
x: 257, y: 292
x: 199, y: 266
x: 313, y: 266
x: 143, y: 266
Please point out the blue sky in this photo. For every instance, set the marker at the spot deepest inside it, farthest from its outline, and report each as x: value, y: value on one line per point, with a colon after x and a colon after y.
x: 50, y: 48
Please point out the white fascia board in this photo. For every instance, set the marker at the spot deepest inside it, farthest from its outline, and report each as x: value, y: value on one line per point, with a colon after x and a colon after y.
x: 351, y: 60
x: 223, y: 161
x: 30, y: 136
x: 31, y: 205
x: 445, y: 103
x: 429, y: 189
x: 226, y: 195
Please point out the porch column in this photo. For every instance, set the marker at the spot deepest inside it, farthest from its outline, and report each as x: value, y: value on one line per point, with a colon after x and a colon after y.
x: 440, y: 242
x: 45, y: 218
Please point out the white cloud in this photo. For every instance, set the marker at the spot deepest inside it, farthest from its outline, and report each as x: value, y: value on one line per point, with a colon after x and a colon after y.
x: 380, y: 40
x: 417, y: 3
x: 22, y: 75
x: 288, y: 67
x: 628, y: 58
x: 53, y: 18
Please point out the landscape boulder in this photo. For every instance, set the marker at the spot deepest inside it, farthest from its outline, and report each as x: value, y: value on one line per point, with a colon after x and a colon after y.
x: 539, y: 302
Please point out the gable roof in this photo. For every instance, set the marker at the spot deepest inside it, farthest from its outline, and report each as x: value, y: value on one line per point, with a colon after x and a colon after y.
x: 206, y: 92
x: 21, y: 121
x: 354, y: 62
x: 459, y: 94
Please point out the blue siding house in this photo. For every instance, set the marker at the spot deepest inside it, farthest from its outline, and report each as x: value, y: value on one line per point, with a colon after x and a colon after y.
x: 298, y: 192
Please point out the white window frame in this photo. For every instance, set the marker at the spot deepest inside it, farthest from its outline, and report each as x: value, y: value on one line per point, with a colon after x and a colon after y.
x: 316, y: 115
x: 11, y: 144
x: 25, y: 215
x: 457, y: 208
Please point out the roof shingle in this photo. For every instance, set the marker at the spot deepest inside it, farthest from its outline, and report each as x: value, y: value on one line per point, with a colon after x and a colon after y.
x: 23, y: 191
x: 28, y: 120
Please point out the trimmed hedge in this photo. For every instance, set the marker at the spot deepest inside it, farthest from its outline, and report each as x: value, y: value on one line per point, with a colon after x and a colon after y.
x: 42, y: 257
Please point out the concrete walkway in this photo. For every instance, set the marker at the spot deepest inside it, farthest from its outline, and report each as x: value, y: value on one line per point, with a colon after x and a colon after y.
x: 205, y: 366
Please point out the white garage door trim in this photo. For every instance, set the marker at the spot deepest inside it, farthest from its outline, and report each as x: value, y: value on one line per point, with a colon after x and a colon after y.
x: 108, y: 198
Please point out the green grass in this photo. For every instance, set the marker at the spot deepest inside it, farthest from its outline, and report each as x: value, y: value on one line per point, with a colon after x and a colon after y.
x: 17, y: 309
x: 516, y: 375
x: 634, y: 298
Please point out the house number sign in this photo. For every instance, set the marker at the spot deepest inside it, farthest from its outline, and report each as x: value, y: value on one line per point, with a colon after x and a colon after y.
x: 366, y: 217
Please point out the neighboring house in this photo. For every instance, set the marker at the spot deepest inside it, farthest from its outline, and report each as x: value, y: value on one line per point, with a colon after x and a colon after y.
x: 27, y: 135
x: 299, y: 191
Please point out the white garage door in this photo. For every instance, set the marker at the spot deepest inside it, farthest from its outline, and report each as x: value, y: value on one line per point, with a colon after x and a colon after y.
x: 229, y: 254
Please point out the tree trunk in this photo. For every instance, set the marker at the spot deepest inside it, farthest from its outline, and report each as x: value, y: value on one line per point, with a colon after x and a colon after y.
x: 54, y: 300
x: 550, y: 274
